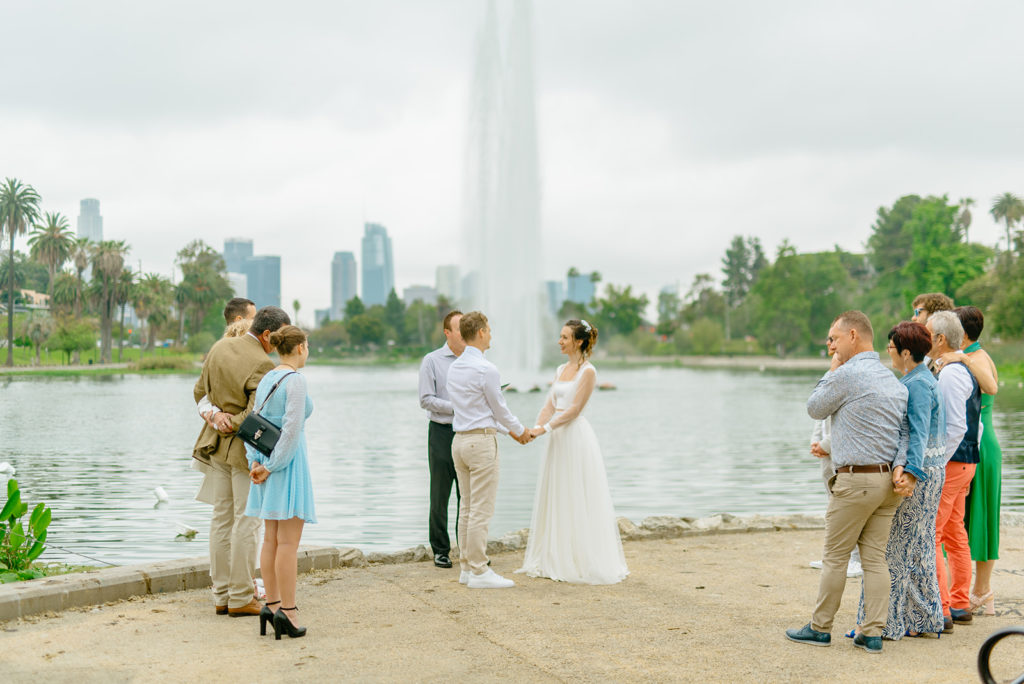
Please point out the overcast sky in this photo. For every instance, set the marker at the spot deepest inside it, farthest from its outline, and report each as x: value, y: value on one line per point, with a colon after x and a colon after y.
x: 665, y: 127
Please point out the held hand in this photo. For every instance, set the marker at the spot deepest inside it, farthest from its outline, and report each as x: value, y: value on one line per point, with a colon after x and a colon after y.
x: 536, y: 432
x: 259, y: 473
x: 816, y: 450
x: 222, y: 421
x: 208, y: 417
x: 523, y: 437
x: 948, y: 357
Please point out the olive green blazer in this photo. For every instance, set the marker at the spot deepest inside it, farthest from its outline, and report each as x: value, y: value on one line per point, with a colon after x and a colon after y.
x: 232, y: 370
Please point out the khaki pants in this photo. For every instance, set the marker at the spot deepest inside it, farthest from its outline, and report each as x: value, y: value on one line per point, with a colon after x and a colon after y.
x: 233, y: 536
x: 859, y: 515
x: 476, y: 466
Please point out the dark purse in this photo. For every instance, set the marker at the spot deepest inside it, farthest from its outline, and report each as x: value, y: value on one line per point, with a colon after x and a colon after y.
x: 257, y: 431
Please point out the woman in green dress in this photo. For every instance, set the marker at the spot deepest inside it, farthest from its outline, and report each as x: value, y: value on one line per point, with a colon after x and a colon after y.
x: 983, y: 502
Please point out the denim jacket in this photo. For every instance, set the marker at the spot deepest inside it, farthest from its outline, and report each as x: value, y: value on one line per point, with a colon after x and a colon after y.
x: 927, y: 415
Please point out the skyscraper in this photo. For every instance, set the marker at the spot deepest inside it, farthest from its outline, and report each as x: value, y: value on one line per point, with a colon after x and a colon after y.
x: 263, y: 280
x: 90, y: 223
x: 236, y: 251
x: 378, y: 265
x: 343, y: 283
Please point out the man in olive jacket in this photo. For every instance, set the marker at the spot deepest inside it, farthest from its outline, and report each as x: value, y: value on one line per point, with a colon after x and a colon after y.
x: 231, y: 372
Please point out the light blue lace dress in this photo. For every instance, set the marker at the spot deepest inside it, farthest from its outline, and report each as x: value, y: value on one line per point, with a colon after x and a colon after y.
x: 288, y: 490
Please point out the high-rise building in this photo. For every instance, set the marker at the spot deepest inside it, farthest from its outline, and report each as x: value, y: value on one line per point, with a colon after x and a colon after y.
x: 236, y: 251
x: 446, y: 282
x: 343, y: 283
x: 263, y: 280
x: 581, y: 288
x: 556, y: 295
x: 90, y: 223
x: 239, y: 283
x: 422, y: 293
x: 378, y: 265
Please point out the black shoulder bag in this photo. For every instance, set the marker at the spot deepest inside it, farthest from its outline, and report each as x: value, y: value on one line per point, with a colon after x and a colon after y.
x: 257, y: 431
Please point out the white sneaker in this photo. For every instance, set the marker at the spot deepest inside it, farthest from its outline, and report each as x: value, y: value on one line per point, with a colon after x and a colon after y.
x: 464, y: 577
x: 854, y: 569
x: 489, y: 580
x: 816, y: 564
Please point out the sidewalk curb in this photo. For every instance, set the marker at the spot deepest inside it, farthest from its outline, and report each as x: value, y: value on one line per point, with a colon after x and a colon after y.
x: 96, y: 587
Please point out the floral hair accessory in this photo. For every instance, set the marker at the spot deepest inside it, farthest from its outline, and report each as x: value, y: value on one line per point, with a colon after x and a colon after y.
x: 586, y: 326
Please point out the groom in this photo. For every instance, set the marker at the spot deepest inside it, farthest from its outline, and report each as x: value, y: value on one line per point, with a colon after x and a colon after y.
x: 474, y: 387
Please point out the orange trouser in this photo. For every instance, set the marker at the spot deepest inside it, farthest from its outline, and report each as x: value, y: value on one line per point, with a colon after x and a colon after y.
x: 951, y: 533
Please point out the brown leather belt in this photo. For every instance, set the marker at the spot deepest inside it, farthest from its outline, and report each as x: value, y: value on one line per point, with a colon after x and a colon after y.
x: 877, y: 468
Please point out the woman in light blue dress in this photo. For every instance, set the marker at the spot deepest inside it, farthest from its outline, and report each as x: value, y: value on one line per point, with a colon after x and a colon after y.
x: 281, y: 493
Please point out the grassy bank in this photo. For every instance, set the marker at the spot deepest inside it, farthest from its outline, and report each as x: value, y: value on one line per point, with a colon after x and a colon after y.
x: 157, y: 361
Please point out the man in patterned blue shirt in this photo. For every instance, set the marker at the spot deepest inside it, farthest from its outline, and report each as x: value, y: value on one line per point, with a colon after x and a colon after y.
x: 868, y: 407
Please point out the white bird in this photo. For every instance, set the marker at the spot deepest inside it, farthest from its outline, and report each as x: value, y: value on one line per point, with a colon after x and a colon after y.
x: 161, y: 494
x: 6, y: 468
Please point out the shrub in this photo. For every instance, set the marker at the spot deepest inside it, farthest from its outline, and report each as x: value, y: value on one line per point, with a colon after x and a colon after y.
x: 20, y: 546
x: 165, y: 363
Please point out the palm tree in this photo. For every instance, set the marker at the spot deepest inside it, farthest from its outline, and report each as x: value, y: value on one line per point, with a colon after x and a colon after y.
x: 122, y: 295
x: 107, y: 264
x: 151, y: 298
x: 296, y: 306
x: 19, y: 208
x: 37, y: 328
x: 964, y: 219
x: 51, y: 243
x: 81, y: 254
x: 1010, y: 209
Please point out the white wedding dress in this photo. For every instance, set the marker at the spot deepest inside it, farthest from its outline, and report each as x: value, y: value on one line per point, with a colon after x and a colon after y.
x: 574, y: 535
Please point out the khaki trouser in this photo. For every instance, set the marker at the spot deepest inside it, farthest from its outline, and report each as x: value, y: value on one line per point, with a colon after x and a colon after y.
x: 859, y: 514
x: 233, y: 536
x: 476, y: 466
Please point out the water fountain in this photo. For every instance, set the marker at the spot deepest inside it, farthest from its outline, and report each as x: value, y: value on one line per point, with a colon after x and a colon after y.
x: 502, y: 254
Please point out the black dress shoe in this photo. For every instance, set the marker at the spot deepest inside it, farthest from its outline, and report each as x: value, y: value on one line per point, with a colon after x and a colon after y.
x: 947, y: 625
x: 961, y: 617
x: 442, y: 560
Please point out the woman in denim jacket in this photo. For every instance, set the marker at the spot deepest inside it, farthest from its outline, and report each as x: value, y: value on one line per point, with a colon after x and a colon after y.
x: 915, y: 606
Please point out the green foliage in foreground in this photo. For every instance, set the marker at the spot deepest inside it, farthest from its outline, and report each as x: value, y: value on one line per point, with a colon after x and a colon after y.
x: 21, y: 544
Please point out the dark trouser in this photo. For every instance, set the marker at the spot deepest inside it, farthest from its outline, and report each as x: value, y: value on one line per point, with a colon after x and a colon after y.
x: 442, y: 476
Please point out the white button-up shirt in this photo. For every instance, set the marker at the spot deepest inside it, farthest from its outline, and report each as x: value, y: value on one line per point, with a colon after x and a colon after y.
x: 474, y: 389
x: 434, y: 384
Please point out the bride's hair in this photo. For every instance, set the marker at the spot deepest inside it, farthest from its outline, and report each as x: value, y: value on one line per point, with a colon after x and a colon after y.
x: 585, y: 333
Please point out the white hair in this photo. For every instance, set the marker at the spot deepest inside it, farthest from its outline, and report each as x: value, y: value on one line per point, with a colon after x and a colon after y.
x: 947, y: 324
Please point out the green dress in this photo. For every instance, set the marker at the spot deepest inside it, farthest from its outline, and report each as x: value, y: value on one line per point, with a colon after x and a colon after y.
x: 983, y: 503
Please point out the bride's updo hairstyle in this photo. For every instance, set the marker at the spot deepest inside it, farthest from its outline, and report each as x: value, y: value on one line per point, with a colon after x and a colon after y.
x: 585, y: 333
x: 286, y: 339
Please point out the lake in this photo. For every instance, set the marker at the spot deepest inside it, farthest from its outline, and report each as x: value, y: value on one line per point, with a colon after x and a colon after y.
x: 676, y: 441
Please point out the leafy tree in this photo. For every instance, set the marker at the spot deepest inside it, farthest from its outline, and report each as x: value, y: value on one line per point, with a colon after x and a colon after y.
x: 939, y: 261
x: 204, y: 285
x: 1009, y: 209
x: 51, y: 244
x: 296, y: 305
x: 422, y: 324
x: 621, y: 310
x: 330, y: 335
x: 107, y: 264
x: 702, y: 300
x: 573, y: 272
x: 394, y: 315
x: 366, y: 329
x: 354, y: 307
x: 669, y: 306
x: 71, y: 336
x: 19, y: 208
x: 707, y: 336
x: 743, y: 261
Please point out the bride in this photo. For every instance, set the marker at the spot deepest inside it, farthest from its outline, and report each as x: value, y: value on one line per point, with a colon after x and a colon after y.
x: 574, y: 536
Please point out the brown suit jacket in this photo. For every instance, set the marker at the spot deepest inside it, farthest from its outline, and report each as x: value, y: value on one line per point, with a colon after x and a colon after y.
x: 231, y: 372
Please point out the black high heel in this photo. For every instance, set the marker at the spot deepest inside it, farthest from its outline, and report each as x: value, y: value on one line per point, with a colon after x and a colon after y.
x: 283, y: 624
x: 266, y: 615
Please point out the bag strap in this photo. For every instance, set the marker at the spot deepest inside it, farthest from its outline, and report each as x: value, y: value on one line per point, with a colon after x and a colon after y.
x: 272, y: 390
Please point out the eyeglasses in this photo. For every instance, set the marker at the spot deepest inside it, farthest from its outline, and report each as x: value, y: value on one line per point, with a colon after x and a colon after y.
x: 829, y: 340
x: 918, y: 310
x: 891, y: 346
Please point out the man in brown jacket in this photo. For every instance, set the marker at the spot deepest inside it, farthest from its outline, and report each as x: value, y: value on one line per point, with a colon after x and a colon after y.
x: 232, y: 371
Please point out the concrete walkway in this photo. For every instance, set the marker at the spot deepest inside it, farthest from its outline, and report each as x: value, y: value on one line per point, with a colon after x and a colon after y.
x: 705, y: 608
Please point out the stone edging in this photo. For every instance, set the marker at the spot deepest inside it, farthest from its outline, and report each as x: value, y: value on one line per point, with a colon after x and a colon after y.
x: 96, y: 587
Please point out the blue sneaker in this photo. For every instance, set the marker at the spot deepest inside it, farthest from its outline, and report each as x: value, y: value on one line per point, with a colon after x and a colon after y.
x: 869, y: 644
x: 808, y: 635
